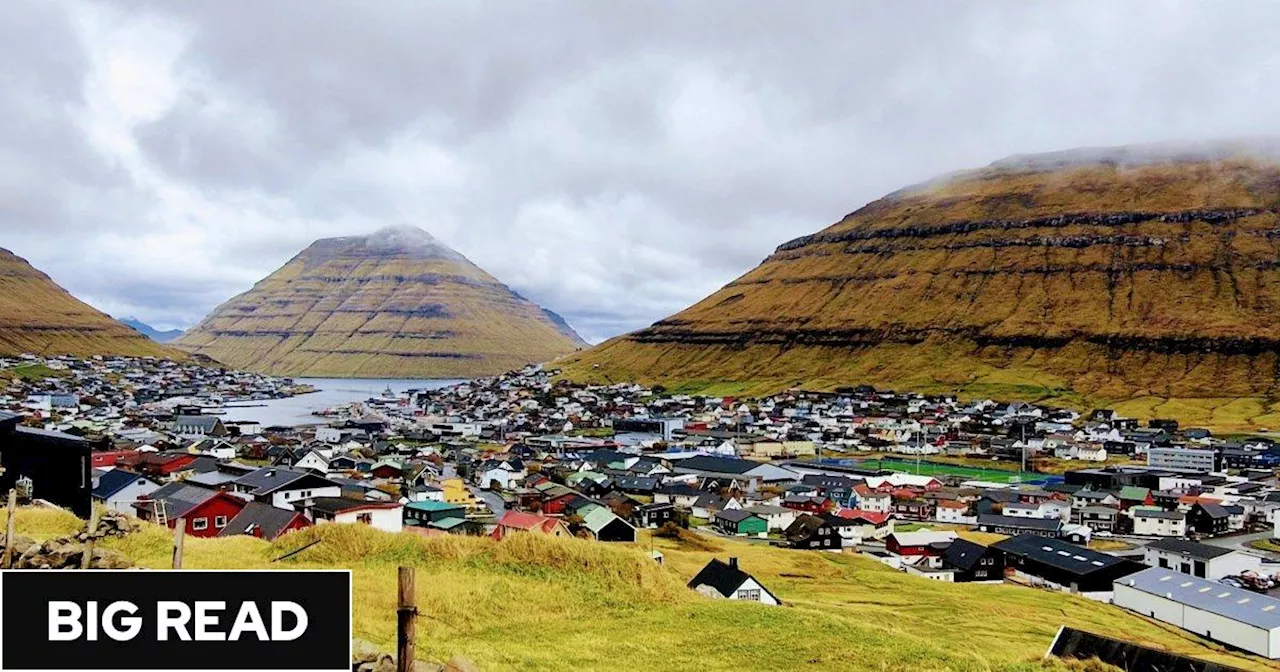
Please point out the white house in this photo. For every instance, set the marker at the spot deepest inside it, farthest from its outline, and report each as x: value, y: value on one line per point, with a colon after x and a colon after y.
x: 876, y: 502
x: 283, y: 488
x: 329, y: 434
x: 314, y: 460
x: 385, y: 516
x: 118, y: 489
x: 955, y: 513
x: 1156, y: 522
x: 1196, y: 559
x: 726, y: 581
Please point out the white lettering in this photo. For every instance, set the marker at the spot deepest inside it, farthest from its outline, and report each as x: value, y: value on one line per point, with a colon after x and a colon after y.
x: 249, y: 620
x: 278, y: 610
x: 112, y: 625
x: 205, y: 620
x: 172, y: 616
x: 91, y: 620
x: 64, y: 613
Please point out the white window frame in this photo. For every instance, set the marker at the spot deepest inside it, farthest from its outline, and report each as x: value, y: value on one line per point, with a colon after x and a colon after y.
x: 220, y: 521
x: 198, y: 524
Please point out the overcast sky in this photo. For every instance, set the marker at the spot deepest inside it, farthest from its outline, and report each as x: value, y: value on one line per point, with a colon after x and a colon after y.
x: 613, y: 161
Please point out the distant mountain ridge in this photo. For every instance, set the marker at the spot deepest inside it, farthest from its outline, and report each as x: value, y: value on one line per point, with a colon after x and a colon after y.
x: 394, y: 303
x: 40, y: 317
x: 1096, y: 275
x: 151, y: 332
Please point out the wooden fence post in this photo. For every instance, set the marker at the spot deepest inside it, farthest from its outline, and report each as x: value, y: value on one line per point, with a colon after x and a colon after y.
x: 406, y: 620
x: 91, y: 541
x: 179, y: 533
x: 9, y: 529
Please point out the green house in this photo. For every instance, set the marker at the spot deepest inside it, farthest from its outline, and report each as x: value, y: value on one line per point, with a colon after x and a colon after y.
x: 737, y: 521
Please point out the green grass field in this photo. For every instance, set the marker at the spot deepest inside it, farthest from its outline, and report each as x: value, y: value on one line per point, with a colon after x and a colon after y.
x: 538, y: 603
x: 935, y: 469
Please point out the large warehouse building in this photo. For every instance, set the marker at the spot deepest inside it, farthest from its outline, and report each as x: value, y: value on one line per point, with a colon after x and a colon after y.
x: 1240, y: 618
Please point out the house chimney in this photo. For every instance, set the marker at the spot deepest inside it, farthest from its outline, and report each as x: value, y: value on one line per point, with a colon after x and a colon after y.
x: 733, y: 563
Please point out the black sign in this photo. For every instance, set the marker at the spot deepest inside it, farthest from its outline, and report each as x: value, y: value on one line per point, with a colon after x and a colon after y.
x: 175, y: 620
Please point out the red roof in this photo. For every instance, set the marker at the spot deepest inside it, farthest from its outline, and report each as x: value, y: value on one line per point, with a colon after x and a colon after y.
x: 872, y: 517
x: 529, y: 522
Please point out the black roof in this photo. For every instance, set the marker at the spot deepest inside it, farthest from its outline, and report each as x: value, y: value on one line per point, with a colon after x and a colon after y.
x: 179, y: 498
x: 271, y: 519
x: 269, y: 479
x: 114, y: 481
x: 9, y: 420
x: 998, y: 520
x: 964, y: 554
x: 1214, y: 510
x: 717, y: 465
x: 722, y: 577
x: 1189, y: 548
x: 1060, y: 554
x: 734, y: 515
x: 334, y: 505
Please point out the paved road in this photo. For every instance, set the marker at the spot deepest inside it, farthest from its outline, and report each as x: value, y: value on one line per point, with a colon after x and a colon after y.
x: 1241, y: 542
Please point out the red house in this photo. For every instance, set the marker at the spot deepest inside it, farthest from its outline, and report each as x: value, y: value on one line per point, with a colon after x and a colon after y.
x: 205, y: 512
x: 809, y: 504
x: 156, y: 464
x: 556, y: 505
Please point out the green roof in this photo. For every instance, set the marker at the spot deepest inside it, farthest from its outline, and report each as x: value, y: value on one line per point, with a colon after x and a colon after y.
x: 447, y: 523
x: 596, y: 518
x: 1133, y: 493
x: 432, y: 505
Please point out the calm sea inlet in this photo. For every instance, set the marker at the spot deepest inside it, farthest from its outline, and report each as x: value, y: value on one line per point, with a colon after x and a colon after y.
x: 332, y: 392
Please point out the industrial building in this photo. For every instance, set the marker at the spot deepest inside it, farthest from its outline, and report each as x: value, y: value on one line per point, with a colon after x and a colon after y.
x: 1239, y: 618
x: 1055, y: 563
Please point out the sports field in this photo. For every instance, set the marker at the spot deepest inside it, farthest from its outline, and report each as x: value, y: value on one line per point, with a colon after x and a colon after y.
x: 935, y: 469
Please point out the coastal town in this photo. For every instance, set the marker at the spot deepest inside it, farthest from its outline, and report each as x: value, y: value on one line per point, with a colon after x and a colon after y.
x: 944, y: 489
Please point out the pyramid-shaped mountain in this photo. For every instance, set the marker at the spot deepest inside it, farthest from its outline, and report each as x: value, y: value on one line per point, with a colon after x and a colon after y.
x: 39, y: 317
x: 1138, y: 273
x: 395, y: 303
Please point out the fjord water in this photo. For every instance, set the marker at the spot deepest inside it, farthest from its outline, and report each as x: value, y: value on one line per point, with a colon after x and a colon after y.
x: 331, y: 392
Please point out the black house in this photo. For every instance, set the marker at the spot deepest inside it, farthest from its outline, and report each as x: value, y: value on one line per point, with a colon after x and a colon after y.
x: 974, y: 562
x: 812, y: 533
x: 57, y: 464
x: 1208, y: 518
x: 1071, y: 567
x: 653, y: 515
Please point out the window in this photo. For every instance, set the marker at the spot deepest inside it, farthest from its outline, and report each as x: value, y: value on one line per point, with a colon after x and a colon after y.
x: 200, y: 524
x: 752, y: 595
x: 366, y: 518
x: 220, y: 522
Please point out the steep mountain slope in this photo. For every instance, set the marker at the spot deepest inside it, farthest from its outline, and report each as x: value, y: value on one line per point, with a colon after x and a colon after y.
x: 396, y: 303
x: 1111, y: 274
x: 150, y: 331
x: 38, y: 316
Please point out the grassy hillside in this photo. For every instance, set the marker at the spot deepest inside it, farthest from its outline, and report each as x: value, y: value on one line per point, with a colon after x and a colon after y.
x: 1085, y: 284
x: 38, y: 316
x: 536, y: 603
x: 365, y: 307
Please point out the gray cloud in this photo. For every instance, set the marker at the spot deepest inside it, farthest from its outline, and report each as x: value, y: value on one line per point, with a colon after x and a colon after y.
x: 612, y: 161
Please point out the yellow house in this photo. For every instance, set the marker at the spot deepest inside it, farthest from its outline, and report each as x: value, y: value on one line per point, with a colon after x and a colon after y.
x: 456, y: 492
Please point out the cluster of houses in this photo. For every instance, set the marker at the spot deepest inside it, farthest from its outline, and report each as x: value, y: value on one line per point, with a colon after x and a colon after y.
x: 524, y: 453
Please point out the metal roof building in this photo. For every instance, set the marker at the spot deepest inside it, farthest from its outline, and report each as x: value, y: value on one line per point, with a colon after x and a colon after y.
x: 1240, y: 618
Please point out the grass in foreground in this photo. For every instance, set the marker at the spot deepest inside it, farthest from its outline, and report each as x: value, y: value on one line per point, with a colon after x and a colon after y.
x: 537, y: 603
